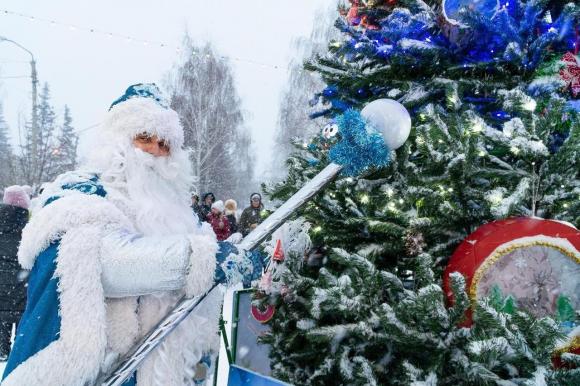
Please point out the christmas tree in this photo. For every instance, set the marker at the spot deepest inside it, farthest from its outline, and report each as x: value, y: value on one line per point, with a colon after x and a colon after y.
x: 492, y: 90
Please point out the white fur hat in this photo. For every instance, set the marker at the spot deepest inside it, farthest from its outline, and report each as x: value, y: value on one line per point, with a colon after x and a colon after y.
x: 143, y: 109
x: 219, y: 205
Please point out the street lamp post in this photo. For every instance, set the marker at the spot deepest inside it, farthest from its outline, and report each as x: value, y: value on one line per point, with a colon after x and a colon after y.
x: 34, y: 78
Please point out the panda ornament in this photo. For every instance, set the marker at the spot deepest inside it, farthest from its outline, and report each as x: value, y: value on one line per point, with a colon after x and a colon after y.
x: 329, y: 131
x: 329, y: 135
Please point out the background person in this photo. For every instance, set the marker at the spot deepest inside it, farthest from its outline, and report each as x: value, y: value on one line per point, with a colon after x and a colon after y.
x: 218, y: 221
x: 13, y: 218
x: 231, y: 213
x: 251, y: 216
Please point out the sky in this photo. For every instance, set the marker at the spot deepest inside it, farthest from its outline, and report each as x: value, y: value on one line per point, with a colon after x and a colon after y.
x: 87, y: 71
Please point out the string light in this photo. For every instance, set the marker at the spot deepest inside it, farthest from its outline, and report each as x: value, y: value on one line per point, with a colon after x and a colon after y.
x: 495, y: 198
x: 127, y: 38
x: 477, y: 127
x: 530, y: 105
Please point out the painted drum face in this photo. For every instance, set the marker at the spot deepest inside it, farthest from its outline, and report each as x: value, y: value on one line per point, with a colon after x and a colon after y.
x: 535, y: 261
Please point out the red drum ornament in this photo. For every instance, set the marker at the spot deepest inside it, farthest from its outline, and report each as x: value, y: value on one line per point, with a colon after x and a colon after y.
x: 534, y: 260
x: 263, y: 316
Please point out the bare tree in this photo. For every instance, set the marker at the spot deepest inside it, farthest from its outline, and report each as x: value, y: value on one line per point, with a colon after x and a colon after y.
x: 294, y: 122
x: 204, y: 95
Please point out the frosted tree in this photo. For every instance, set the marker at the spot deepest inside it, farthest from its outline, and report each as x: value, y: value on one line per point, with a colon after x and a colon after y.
x: 203, y: 93
x: 245, y: 165
x: 65, y: 151
x: 294, y: 122
x: 496, y: 133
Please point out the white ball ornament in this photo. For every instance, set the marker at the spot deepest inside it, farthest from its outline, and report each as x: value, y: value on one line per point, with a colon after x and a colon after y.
x: 391, y: 119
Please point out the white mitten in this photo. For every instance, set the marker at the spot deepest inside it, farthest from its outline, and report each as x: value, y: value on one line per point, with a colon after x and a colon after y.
x: 200, y: 272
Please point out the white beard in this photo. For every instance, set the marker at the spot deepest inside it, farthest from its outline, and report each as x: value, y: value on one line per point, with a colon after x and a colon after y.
x: 153, y: 191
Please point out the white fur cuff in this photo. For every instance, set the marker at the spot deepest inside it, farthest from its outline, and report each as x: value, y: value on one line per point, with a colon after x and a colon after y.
x: 202, y: 265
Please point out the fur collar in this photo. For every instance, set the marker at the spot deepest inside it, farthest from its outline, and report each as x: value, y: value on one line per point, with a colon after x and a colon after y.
x: 69, y: 212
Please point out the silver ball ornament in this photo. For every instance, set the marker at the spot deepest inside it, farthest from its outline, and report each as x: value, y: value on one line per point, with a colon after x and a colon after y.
x: 391, y: 119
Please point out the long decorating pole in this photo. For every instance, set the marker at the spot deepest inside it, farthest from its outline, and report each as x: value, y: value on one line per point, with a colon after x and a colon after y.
x: 133, y: 359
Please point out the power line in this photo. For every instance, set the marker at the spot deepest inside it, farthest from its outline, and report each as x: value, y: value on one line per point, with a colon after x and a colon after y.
x: 5, y: 60
x: 88, y: 128
x: 128, y: 38
x: 15, y: 77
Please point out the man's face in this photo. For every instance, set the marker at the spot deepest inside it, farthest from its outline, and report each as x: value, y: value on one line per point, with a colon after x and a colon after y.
x: 193, y: 200
x: 256, y: 202
x: 151, y: 144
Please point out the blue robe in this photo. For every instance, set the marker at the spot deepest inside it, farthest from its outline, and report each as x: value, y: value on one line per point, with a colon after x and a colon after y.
x: 42, y: 297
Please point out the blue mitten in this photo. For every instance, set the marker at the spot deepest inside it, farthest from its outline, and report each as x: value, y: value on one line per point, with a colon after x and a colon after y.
x: 235, y: 266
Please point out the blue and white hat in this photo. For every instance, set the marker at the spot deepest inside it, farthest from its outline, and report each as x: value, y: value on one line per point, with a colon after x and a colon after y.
x: 143, y: 108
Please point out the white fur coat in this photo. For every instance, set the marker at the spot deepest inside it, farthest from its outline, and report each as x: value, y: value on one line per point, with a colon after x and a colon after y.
x: 96, y: 330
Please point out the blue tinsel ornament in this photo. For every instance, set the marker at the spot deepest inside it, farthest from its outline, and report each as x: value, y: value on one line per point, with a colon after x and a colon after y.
x: 360, y: 146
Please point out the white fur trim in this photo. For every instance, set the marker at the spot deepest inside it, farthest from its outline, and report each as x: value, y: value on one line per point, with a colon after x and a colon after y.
x: 66, y: 213
x: 201, y: 270
x: 137, y: 115
x: 122, y: 323
x: 75, y: 358
x: 556, y: 241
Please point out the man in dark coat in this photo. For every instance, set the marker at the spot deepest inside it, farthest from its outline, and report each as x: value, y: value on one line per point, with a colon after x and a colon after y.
x: 252, y: 215
x: 13, y: 217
